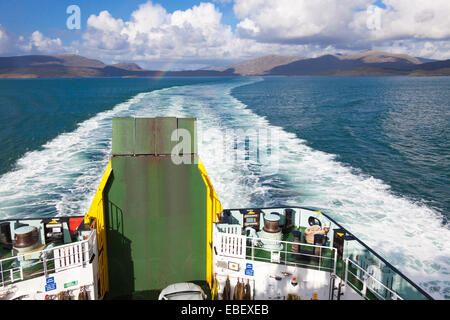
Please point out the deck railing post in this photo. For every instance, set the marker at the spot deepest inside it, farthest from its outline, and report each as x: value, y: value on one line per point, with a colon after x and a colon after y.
x: 44, y: 263
x: 346, y: 272
x: 85, y: 253
x: 335, y: 260
x: 1, y: 271
x: 320, y: 257
x: 364, y: 289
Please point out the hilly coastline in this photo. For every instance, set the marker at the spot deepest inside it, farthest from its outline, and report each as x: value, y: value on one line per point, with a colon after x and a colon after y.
x: 365, y: 63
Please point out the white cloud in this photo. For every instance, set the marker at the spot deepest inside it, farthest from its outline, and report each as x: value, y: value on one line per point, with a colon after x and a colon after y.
x: 194, y: 36
x: 414, y: 19
x: 153, y: 33
x: 39, y: 43
x: 6, y: 42
x: 35, y: 43
x: 153, y: 37
x: 347, y: 24
x: 105, y: 32
x: 297, y: 21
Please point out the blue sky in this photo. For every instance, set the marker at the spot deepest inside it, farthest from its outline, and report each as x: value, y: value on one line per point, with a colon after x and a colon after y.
x: 183, y: 34
x: 49, y: 16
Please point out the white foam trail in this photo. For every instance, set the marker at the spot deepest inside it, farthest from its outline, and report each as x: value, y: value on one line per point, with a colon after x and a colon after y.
x: 61, y: 178
x: 64, y: 175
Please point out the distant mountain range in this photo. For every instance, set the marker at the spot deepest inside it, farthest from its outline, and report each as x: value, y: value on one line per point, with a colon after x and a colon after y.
x: 74, y: 66
x: 262, y: 65
x: 365, y: 63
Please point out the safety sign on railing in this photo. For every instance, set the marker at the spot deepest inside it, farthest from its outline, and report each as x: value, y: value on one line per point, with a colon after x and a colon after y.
x: 50, y: 284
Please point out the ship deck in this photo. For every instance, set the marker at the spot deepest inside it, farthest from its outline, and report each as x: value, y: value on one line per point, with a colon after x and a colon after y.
x: 355, y: 266
x: 46, y: 255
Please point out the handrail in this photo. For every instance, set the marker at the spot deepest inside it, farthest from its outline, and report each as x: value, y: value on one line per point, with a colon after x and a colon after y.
x: 395, y: 295
x: 286, y: 252
x: 51, y: 249
x: 27, y: 219
x: 419, y: 289
x: 43, y: 254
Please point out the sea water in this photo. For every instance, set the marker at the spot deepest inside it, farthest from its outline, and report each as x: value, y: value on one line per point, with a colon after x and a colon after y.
x: 372, y: 152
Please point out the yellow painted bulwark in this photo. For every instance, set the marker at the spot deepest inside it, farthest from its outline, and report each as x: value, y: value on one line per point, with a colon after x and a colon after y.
x: 213, y: 208
x: 96, y: 211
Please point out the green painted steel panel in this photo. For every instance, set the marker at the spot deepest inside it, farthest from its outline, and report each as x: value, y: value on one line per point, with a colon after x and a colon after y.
x: 156, y: 224
x: 123, y: 135
x: 155, y: 213
x: 189, y: 124
x: 164, y: 128
x: 145, y: 136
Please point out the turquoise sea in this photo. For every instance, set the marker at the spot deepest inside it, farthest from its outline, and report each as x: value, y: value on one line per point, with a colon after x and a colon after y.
x: 372, y: 152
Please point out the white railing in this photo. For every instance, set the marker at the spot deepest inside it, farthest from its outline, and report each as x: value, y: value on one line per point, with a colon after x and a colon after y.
x: 367, y: 277
x: 235, y: 245
x: 71, y: 255
x: 229, y: 228
x: 231, y: 245
x: 316, y: 258
x: 54, y: 259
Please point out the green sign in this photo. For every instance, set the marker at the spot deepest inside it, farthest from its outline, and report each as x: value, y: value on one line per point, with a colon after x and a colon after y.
x: 70, y: 284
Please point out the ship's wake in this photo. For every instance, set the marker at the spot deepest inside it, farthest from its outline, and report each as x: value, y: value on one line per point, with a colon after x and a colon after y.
x: 61, y: 179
